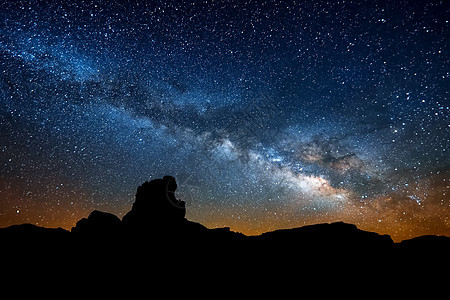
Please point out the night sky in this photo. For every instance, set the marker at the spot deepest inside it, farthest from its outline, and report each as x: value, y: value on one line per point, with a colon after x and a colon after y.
x: 270, y: 114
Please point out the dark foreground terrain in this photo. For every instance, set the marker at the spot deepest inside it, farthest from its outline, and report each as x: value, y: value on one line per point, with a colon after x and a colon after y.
x: 155, y: 235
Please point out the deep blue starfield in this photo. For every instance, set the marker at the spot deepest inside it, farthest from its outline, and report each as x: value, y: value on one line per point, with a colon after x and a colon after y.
x: 270, y: 114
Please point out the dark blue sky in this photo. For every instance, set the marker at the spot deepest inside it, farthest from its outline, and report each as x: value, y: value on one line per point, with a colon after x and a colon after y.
x: 270, y: 114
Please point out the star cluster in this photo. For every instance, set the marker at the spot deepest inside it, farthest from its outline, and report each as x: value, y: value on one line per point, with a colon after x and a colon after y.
x: 270, y: 114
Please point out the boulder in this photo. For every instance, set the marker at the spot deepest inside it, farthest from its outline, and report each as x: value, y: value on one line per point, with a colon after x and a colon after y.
x: 98, y: 223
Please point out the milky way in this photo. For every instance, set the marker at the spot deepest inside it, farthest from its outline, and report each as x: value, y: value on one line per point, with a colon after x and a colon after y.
x: 270, y: 114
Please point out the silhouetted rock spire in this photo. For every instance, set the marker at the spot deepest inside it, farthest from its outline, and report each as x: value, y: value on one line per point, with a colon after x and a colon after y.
x: 156, y: 205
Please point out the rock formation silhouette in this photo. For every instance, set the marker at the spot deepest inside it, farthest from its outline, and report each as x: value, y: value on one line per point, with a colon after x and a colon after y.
x: 156, y: 206
x: 157, y: 220
x: 98, y: 223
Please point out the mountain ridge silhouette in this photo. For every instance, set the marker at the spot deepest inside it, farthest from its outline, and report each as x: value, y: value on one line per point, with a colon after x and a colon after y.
x: 157, y: 221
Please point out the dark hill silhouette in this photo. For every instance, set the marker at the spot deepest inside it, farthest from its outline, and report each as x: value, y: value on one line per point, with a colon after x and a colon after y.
x: 32, y: 230
x: 427, y: 244
x: 156, y: 222
x: 338, y: 236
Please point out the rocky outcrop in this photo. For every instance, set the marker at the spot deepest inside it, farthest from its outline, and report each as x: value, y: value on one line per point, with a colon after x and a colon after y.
x: 156, y: 206
x: 98, y: 223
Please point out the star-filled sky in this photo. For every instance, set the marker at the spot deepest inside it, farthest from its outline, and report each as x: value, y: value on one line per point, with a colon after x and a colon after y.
x: 270, y: 114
